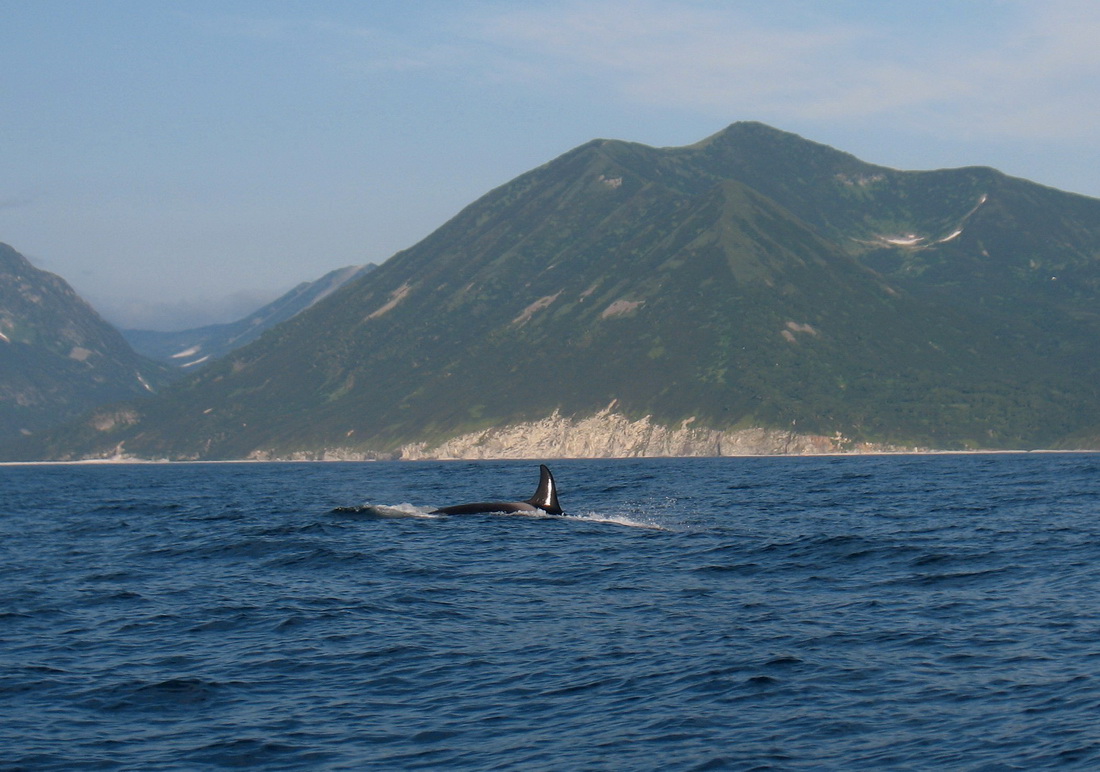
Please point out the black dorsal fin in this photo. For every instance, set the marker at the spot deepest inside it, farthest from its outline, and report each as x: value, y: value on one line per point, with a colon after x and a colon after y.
x: 546, y: 497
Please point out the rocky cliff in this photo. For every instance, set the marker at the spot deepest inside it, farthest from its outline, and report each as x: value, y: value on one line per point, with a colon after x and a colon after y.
x: 606, y: 434
x: 611, y: 435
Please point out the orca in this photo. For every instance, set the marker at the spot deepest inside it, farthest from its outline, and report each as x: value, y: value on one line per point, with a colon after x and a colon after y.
x: 545, y: 501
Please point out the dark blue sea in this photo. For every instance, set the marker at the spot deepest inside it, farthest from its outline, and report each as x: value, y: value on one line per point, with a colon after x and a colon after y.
x: 900, y: 612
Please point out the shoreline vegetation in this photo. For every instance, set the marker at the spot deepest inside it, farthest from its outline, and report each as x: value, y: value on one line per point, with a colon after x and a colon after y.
x: 122, y: 460
x: 605, y: 435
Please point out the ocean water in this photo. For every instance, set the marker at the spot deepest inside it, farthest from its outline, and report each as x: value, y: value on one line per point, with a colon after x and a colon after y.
x: 908, y: 612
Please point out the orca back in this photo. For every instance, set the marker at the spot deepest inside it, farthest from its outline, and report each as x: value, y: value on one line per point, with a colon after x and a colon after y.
x: 485, y: 508
x: 544, y: 500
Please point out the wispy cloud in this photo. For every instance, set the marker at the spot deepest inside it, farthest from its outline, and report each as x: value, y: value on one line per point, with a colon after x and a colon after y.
x: 995, y: 68
x: 1032, y: 77
x: 15, y: 202
x: 351, y: 48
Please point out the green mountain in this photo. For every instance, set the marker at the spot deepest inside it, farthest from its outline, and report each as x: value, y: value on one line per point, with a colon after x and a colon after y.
x: 58, y: 358
x: 194, y: 348
x: 754, y: 279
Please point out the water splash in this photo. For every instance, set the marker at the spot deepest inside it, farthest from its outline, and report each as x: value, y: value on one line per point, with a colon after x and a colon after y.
x: 623, y: 519
x: 385, y: 510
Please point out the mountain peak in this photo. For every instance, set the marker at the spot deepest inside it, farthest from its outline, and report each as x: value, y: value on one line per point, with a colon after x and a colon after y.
x: 759, y: 143
x: 742, y: 129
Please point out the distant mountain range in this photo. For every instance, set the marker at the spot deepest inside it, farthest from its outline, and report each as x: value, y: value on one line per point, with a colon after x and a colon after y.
x: 191, y: 349
x: 625, y: 299
x: 58, y: 358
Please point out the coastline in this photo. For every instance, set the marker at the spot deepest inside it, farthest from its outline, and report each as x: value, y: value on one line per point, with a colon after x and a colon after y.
x: 602, y: 435
x: 135, y: 461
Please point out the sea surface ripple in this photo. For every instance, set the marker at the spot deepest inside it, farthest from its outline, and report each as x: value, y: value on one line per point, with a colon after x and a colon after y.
x: 916, y: 612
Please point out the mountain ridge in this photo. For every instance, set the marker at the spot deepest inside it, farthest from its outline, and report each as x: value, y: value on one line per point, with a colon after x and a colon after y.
x: 191, y: 348
x: 58, y: 357
x: 754, y: 280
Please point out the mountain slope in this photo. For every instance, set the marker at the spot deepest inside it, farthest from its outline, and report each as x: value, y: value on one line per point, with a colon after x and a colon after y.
x: 58, y: 358
x: 752, y: 280
x: 189, y: 349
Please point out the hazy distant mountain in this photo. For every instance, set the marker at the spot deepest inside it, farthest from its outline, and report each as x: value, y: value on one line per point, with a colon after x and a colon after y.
x: 754, y: 279
x: 191, y: 349
x: 58, y: 358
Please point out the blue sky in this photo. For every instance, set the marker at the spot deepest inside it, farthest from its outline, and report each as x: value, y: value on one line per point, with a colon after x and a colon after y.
x: 182, y: 162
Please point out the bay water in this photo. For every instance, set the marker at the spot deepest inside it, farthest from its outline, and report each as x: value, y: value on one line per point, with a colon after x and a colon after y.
x: 902, y: 612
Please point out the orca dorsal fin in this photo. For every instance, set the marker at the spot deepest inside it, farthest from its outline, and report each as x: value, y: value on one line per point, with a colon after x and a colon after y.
x: 546, y: 496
